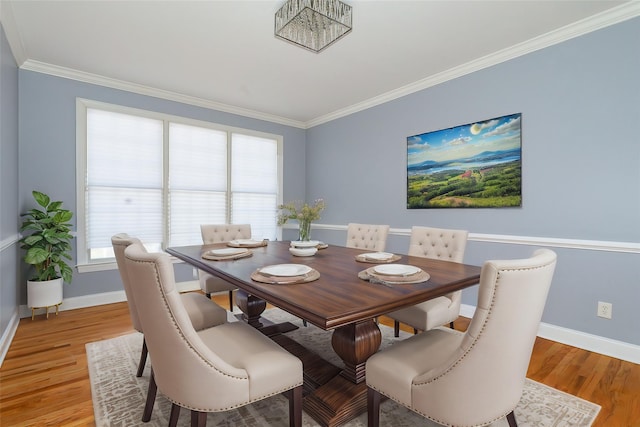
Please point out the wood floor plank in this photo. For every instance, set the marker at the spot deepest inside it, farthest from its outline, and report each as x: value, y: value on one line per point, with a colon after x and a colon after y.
x: 44, y: 379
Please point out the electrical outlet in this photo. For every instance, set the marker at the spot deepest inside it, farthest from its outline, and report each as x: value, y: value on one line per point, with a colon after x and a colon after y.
x: 605, y: 309
x: 195, y: 273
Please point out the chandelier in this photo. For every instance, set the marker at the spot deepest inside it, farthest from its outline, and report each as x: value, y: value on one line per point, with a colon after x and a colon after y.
x: 313, y: 24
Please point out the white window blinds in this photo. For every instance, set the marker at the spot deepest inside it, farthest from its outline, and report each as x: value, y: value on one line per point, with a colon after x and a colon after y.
x: 124, y: 179
x: 254, y: 184
x: 197, y: 181
x: 159, y: 179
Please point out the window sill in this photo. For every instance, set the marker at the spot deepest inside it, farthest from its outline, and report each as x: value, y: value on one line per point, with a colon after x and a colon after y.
x: 111, y: 265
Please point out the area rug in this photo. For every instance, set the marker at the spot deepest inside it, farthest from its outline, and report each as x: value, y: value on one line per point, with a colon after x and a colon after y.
x: 119, y: 397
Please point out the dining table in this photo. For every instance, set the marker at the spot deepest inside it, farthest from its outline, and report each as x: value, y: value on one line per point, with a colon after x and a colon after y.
x: 338, y: 299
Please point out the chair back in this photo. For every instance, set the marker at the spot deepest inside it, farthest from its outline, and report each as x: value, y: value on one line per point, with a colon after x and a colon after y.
x: 186, y: 370
x: 487, y: 372
x: 120, y: 242
x: 367, y: 236
x: 438, y: 243
x: 220, y: 233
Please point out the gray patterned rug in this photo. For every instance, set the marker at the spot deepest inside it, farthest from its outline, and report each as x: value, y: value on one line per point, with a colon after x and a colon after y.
x: 118, y: 396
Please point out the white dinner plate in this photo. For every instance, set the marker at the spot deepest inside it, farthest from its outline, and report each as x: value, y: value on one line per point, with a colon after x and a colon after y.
x: 396, y: 269
x: 304, y: 244
x: 286, y: 270
x: 227, y: 251
x: 245, y: 242
x: 379, y: 256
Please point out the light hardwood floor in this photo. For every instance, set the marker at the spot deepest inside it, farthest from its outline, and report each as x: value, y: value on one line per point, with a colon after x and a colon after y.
x: 44, y: 379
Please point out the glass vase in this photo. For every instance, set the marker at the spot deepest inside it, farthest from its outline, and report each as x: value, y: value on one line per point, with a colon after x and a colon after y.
x: 304, y: 231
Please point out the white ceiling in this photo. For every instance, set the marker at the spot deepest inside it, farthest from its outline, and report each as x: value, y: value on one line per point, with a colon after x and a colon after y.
x: 223, y: 54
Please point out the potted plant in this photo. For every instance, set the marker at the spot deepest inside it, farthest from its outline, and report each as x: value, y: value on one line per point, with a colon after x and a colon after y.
x: 304, y: 213
x: 47, y: 246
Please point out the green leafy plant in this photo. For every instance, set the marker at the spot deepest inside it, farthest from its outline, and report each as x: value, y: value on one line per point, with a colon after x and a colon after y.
x: 49, y: 242
x: 303, y: 213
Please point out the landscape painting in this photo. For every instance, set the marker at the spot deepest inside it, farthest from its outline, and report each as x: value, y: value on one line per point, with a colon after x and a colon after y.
x: 477, y: 165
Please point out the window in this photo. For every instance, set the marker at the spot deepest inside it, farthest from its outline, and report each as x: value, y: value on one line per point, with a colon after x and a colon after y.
x: 159, y: 177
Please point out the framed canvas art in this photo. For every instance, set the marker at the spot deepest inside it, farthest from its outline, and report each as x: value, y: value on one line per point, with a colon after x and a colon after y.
x: 476, y: 165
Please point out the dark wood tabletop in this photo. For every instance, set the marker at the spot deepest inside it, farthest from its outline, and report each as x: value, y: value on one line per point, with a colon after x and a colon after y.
x: 338, y: 297
x: 338, y: 300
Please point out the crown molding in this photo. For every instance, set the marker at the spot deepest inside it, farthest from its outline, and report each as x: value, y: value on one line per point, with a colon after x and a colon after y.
x: 96, y: 79
x: 12, y: 33
x: 612, y: 16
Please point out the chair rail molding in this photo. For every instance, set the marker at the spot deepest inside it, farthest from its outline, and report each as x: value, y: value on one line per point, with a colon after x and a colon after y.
x: 594, y: 245
x: 9, y: 241
x: 618, y: 349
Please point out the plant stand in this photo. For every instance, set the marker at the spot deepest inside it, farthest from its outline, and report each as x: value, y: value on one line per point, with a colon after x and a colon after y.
x: 44, y: 294
x: 33, y: 310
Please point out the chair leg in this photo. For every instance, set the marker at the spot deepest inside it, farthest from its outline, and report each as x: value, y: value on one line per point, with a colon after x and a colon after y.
x: 396, y: 328
x: 198, y: 419
x: 173, y: 417
x: 143, y: 358
x: 511, y: 418
x: 304, y: 323
x: 295, y: 406
x: 151, y: 398
x: 230, y: 300
x: 373, y: 408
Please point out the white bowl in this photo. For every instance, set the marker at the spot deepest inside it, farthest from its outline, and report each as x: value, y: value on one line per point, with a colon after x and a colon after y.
x: 303, y: 251
x: 304, y: 244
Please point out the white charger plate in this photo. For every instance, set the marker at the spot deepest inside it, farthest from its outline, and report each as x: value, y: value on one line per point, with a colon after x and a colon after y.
x: 396, y: 269
x: 378, y: 256
x: 227, y: 251
x: 286, y: 270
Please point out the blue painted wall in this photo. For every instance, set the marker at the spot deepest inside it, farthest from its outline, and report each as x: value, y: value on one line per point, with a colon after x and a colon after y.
x: 8, y: 183
x: 580, y: 105
x: 580, y: 102
x: 48, y: 149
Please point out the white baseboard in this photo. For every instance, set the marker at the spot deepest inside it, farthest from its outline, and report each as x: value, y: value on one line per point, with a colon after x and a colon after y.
x: 7, y: 336
x: 81, y: 302
x: 101, y: 299
x: 618, y: 349
x: 188, y: 286
x: 608, y: 347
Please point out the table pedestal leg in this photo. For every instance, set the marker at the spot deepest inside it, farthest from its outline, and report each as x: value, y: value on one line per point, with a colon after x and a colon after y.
x: 355, y: 343
x: 251, y: 307
x: 344, y: 397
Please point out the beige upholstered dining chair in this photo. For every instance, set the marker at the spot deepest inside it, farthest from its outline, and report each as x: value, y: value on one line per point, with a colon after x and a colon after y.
x: 220, y: 233
x: 202, y: 312
x: 476, y: 377
x: 436, y: 243
x: 212, y: 370
x: 367, y: 236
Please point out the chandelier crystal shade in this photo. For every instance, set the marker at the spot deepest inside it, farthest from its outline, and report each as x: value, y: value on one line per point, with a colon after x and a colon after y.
x: 313, y: 24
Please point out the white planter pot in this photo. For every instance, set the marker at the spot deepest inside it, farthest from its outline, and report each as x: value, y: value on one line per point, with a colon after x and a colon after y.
x: 44, y: 294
